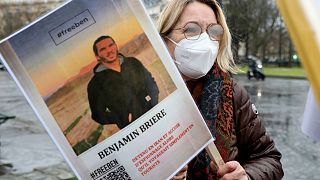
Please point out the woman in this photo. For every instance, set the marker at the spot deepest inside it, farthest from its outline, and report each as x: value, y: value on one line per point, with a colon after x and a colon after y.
x: 199, y: 42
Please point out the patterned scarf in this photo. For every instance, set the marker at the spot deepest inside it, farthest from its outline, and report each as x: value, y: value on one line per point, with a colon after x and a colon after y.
x: 213, y: 95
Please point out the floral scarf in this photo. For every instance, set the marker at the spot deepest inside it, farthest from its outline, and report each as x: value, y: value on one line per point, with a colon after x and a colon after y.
x: 213, y: 95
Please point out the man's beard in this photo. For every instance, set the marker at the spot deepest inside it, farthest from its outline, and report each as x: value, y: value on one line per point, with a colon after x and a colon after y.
x: 104, y: 60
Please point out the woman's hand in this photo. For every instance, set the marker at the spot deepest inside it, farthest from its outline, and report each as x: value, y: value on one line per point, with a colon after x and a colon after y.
x: 181, y: 175
x: 231, y: 170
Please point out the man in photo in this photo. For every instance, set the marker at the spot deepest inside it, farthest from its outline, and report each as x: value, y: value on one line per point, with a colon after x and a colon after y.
x: 122, y: 89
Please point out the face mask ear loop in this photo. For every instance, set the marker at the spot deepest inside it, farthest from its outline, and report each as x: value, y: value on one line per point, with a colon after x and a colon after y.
x: 176, y: 45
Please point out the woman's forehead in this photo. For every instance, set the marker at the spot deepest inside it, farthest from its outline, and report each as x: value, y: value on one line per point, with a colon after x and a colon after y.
x: 197, y: 12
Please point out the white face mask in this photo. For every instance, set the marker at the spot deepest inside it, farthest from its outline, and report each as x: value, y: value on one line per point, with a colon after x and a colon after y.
x: 194, y: 58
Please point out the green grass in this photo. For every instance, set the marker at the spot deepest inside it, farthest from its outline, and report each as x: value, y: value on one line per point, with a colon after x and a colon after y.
x: 73, y: 178
x: 75, y: 122
x: 72, y: 125
x: 92, y: 140
x: 280, y: 71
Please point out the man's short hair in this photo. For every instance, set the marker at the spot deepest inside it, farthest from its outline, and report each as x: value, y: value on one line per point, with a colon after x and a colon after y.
x: 95, y: 49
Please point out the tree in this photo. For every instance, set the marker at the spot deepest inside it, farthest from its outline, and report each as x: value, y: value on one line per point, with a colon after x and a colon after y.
x: 252, y: 22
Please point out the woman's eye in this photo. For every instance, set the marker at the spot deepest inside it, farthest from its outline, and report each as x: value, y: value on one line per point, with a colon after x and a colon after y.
x: 191, y: 30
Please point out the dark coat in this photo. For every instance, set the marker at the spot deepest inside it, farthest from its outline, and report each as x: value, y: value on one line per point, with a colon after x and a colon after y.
x: 247, y: 142
x: 253, y: 148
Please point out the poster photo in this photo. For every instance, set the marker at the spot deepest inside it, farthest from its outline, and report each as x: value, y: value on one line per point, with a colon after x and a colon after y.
x: 102, y: 83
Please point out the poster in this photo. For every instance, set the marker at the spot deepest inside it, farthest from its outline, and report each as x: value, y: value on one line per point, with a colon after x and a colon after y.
x: 302, y: 20
x: 311, y: 117
x: 102, y: 83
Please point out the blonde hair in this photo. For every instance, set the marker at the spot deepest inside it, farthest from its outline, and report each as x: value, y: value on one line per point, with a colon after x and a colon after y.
x: 170, y: 16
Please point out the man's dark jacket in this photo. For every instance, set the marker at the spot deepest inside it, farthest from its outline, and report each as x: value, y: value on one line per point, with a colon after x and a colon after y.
x: 113, y: 95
